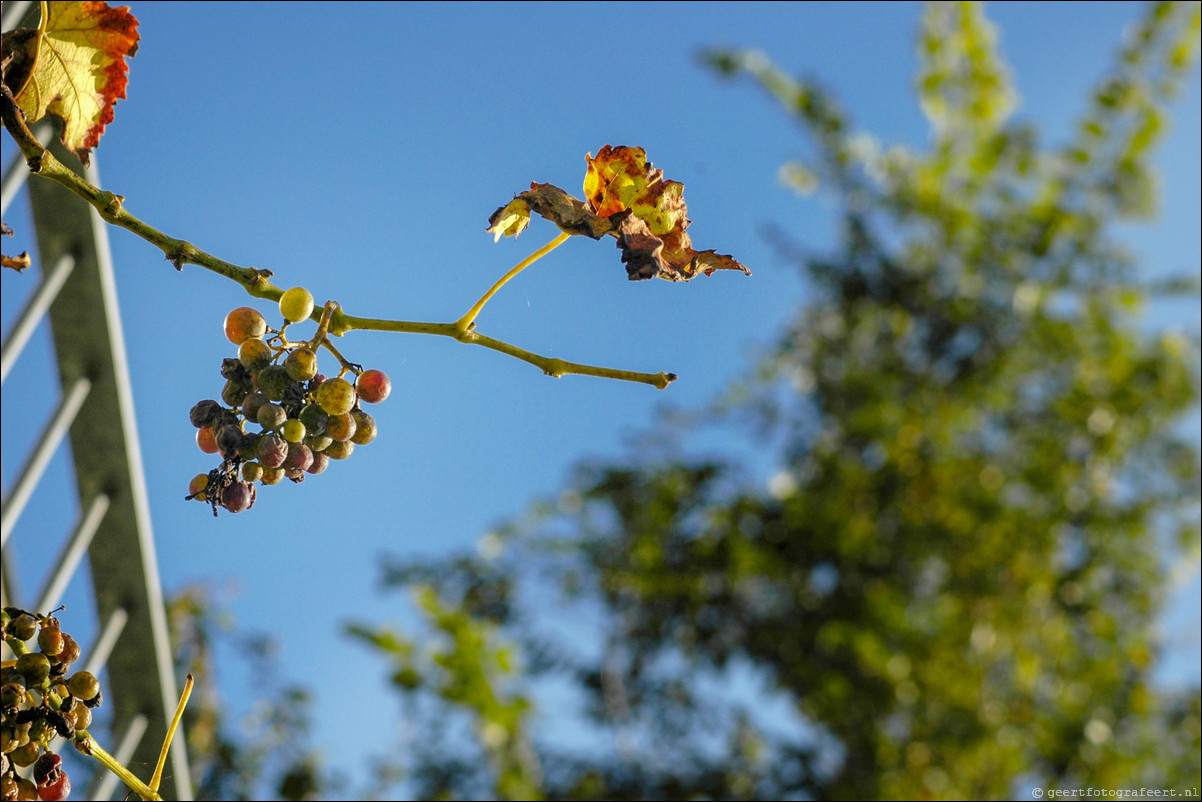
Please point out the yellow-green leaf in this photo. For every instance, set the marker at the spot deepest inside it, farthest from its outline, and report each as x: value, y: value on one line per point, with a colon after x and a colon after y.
x: 80, y: 70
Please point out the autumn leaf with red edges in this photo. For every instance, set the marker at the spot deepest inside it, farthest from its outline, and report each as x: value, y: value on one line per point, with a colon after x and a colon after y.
x: 73, y: 67
x: 630, y: 200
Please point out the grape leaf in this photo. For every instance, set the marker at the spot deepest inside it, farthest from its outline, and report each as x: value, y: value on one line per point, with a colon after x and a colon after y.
x: 80, y: 70
x: 627, y: 198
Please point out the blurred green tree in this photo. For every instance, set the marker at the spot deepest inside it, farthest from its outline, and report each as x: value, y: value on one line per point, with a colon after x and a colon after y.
x: 952, y: 589
x: 268, y: 754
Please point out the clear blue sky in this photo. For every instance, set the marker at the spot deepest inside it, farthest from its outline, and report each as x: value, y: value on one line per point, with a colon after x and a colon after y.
x: 358, y: 149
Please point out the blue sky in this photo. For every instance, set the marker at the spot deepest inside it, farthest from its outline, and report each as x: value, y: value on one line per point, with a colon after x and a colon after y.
x: 358, y: 149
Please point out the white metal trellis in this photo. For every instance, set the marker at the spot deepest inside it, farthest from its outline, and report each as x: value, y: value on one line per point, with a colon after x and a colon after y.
x: 77, y: 299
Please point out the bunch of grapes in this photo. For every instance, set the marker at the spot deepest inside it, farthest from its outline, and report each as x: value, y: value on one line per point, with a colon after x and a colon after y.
x: 40, y: 702
x: 278, y: 417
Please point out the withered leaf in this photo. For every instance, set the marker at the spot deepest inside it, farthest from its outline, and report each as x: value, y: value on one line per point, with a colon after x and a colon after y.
x: 80, y: 70
x: 627, y: 198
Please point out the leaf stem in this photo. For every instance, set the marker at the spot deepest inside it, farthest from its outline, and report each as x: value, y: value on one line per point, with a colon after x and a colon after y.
x: 256, y: 282
x: 465, y: 323
x: 157, y: 777
x: 89, y: 747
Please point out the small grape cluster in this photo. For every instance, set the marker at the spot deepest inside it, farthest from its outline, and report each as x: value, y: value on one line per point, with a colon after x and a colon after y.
x: 305, y: 419
x: 40, y: 702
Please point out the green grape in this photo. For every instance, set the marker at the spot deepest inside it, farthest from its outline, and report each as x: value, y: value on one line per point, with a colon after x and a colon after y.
x: 336, y: 396
x: 293, y: 431
x: 84, y: 685
x: 301, y: 364
x: 274, y: 382
x: 318, y: 442
x: 273, y: 476
x: 315, y: 419
x: 243, y: 324
x: 35, y: 666
x: 296, y: 304
x: 251, y: 471
x: 365, y: 428
x: 234, y: 393
x: 271, y: 416
x: 254, y: 354
x: 339, y: 449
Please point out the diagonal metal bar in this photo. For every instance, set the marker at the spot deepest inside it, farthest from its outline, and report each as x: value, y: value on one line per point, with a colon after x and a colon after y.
x: 73, y: 552
x: 35, y: 465
x: 33, y: 313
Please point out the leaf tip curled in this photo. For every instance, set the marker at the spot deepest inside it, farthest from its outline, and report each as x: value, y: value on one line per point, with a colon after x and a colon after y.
x: 510, y: 220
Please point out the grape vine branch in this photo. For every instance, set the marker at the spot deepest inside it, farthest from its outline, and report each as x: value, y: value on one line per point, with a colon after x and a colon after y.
x: 257, y: 282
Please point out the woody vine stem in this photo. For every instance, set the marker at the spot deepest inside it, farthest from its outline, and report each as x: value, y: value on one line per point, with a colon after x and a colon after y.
x: 257, y: 282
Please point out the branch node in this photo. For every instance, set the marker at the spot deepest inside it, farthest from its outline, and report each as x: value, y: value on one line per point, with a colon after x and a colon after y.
x: 112, y: 206
x: 260, y: 278
x: 180, y: 253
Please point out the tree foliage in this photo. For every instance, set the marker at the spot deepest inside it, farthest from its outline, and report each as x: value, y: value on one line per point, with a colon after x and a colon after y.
x: 951, y: 589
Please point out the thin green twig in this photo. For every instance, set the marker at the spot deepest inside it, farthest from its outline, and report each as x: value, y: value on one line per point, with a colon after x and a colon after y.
x: 257, y: 283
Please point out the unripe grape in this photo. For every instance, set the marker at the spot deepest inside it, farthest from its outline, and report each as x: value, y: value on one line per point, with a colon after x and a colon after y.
x: 252, y: 403
x: 23, y: 626
x: 206, y: 438
x: 365, y: 428
x: 341, y: 427
x: 373, y: 386
x: 35, y: 666
x: 274, y: 381
x: 252, y: 471
x: 339, y: 449
x: 243, y: 324
x: 84, y: 685
x: 336, y: 396
x: 234, y: 392
x: 249, y: 447
x: 301, y: 364
x: 296, y: 304
x: 271, y: 416
x: 314, y: 418
x: 318, y: 442
x: 254, y: 354
x: 198, y: 485
x: 272, y: 476
x: 25, y: 754
x: 293, y: 431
